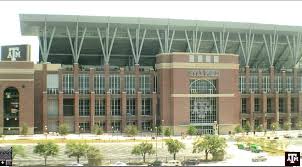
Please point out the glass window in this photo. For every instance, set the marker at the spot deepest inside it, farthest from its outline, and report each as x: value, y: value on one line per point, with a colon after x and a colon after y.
x: 114, y: 84
x: 200, y: 58
x: 101, y: 124
x: 99, y: 84
x: 242, y: 84
x: 202, y: 86
x: 115, y: 107
x: 131, y: 106
x: 52, y: 107
x: 269, y: 105
x: 84, y: 127
x: 266, y: 83
x: 208, y: 59
x: 52, y: 83
x: 278, y: 83
x: 293, y: 105
x: 68, y: 87
x: 116, y: 125
x: 68, y: 107
x: 191, y: 58
x: 146, y: 106
x: 216, y: 59
x: 100, y: 107
x: 243, y: 105
x: 281, y: 104
x: 254, y: 83
x: 130, y: 84
x: 145, y: 84
x: 289, y: 83
x: 84, y: 107
x: 257, y: 105
x: 84, y: 83
x: 146, y: 125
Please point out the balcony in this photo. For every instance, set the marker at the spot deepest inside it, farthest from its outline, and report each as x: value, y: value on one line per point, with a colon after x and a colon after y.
x: 52, y: 91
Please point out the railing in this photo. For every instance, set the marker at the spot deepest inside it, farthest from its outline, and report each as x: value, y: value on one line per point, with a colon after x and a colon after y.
x: 68, y: 91
x: 52, y: 90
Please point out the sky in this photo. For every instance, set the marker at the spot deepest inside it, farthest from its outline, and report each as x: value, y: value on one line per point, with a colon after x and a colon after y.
x: 267, y: 12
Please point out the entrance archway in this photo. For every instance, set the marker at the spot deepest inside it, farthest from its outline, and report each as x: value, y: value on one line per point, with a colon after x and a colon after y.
x: 11, y: 110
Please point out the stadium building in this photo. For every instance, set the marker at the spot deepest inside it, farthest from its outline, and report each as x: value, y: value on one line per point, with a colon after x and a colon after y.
x: 116, y: 71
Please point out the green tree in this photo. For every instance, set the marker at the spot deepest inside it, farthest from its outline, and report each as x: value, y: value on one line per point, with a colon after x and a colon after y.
x: 24, y: 129
x: 63, y: 130
x: 94, y: 156
x: 167, y: 132
x: 18, y: 150
x: 210, y: 144
x: 46, y: 149
x: 287, y: 125
x: 247, y: 127
x: 131, y: 130
x: 159, y: 130
x: 97, y: 130
x: 77, y: 150
x: 174, y: 146
x: 192, y: 130
x: 238, y: 129
x: 143, y: 149
x: 299, y: 125
x: 275, y: 126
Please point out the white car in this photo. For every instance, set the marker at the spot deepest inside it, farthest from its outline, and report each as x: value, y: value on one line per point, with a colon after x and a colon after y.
x: 173, y: 163
x: 74, y: 164
x: 119, y: 163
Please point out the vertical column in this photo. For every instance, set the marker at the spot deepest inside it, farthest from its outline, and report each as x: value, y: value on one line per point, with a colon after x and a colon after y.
x: 152, y: 75
x: 283, y: 76
x: 76, y: 77
x: 1, y: 110
x: 272, y: 78
x: 91, y: 79
x: 295, y: 80
x: 123, y: 110
x: 264, y: 110
x: 137, y: 78
x: 45, y: 118
x: 108, y: 111
x: 252, y: 109
x: 154, y: 108
x: 138, y: 108
x: 92, y: 109
x: 260, y: 86
x: 299, y: 107
x: 277, y: 107
x: 122, y: 79
x: 61, y: 113
x: 247, y: 78
x: 288, y: 106
x: 107, y: 75
x: 76, y: 112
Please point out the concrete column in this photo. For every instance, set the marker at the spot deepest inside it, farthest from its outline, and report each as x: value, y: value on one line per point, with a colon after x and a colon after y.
x: 260, y: 81
x: 92, y: 109
x: 76, y: 77
x: 299, y: 107
x: 264, y: 110
x: 44, y: 77
x: 138, y: 108
x: 283, y: 76
x: 247, y: 78
x: 91, y: 79
x: 44, y: 107
x: 61, y: 114
x: 76, y: 112
x: 137, y: 78
x: 108, y: 112
x: 123, y: 110
x: 276, y: 107
x: 252, y: 109
x: 107, y: 75
x: 152, y: 80
x: 272, y: 78
x: 60, y: 72
x: 122, y: 80
x: 295, y: 80
x: 288, y: 106
x: 154, y: 108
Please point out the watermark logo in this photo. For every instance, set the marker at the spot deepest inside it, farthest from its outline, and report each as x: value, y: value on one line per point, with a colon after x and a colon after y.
x: 292, y: 158
x: 13, y: 53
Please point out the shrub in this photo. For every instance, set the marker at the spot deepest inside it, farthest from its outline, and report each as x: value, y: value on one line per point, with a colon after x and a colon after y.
x: 63, y: 129
x: 131, y: 130
x: 192, y: 130
x: 24, y: 129
x: 238, y: 129
x: 167, y: 132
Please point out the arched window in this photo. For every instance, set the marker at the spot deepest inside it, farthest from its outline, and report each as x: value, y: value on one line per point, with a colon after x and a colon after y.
x: 202, y: 86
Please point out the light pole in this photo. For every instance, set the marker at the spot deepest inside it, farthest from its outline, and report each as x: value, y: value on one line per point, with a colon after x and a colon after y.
x: 79, y: 131
x: 162, y: 132
x: 156, y: 142
x: 45, y: 131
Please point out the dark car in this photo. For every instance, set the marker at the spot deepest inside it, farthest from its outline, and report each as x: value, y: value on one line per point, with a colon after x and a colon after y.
x: 190, y: 162
x: 155, y: 163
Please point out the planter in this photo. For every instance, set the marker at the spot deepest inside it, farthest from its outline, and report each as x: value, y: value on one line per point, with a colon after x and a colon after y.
x: 219, y: 156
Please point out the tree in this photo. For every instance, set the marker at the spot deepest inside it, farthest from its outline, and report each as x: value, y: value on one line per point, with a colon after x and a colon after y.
x: 167, y: 132
x: 143, y: 149
x: 274, y: 126
x: 94, y: 156
x: 131, y: 130
x: 192, y: 130
x: 97, y: 130
x: 77, y: 150
x: 210, y: 144
x: 287, y: 125
x: 174, y: 146
x: 17, y: 150
x: 299, y: 125
x: 24, y: 129
x: 247, y: 127
x: 63, y: 129
x: 259, y: 128
x: 46, y: 149
x: 238, y: 129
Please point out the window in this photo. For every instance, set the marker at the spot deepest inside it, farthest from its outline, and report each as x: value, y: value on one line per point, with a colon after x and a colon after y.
x: 242, y: 84
x: 99, y: 84
x: 68, y: 84
x: 200, y: 58
x: 52, y: 83
x: 100, y: 107
x: 84, y: 83
x: 84, y: 127
x: 266, y: 83
x: 278, y: 83
x: 115, y: 107
x: 116, y: 125
x: 146, y: 106
x: 146, y: 125
x: 216, y: 59
x: 269, y: 105
x: 254, y: 83
x: 281, y: 105
x: 155, y: 83
x: 208, y: 59
x: 257, y: 104
x: 145, y: 84
x: 131, y: 106
x: 114, y: 84
x: 84, y: 107
x: 52, y: 108
x: 243, y: 105
x: 202, y: 86
x: 293, y: 105
x: 191, y: 58
x: 101, y: 124
x: 289, y: 83
x: 68, y: 107
x: 130, y: 84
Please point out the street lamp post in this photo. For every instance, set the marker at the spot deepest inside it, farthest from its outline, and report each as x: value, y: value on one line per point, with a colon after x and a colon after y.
x: 162, y: 132
x: 45, y: 131
x: 79, y: 131
x: 156, y: 142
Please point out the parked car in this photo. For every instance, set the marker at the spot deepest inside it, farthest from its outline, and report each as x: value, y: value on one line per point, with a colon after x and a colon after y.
x: 255, y: 148
x: 190, y: 162
x: 300, y: 135
x: 288, y: 136
x: 74, y: 164
x: 173, y: 163
x: 156, y: 163
x: 259, y: 158
x: 119, y: 164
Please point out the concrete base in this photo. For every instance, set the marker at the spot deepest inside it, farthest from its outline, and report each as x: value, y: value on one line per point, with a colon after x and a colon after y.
x: 224, y: 129
x: 29, y: 132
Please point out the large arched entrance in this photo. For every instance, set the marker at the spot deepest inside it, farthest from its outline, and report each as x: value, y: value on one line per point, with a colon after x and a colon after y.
x: 203, y: 109
x: 11, y: 110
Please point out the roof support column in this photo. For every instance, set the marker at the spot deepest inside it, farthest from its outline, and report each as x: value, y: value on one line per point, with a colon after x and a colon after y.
x: 194, y: 44
x: 168, y: 41
x: 45, y: 47
x: 137, y: 48
x: 294, y: 48
x: 247, y: 48
x: 107, y: 44
x: 271, y: 47
x: 223, y: 41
